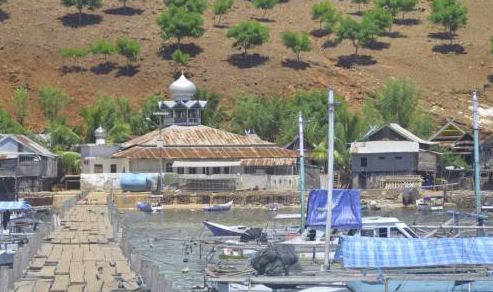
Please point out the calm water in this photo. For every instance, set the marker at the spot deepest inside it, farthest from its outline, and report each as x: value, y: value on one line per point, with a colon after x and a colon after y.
x: 162, y: 230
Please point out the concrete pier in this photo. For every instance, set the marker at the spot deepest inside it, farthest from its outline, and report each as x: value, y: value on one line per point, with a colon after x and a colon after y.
x: 81, y: 254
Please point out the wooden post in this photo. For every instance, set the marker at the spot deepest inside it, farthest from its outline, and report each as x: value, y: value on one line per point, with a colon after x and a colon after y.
x: 386, y: 285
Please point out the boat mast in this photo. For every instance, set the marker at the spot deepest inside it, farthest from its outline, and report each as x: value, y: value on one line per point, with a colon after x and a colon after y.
x: 330, y: 176
x: 477, y: 183
x: 302, y: 170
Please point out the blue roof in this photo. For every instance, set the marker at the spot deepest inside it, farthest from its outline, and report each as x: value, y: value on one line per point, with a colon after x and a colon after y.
x: 375, y: 252
x: 346, y: 209
x: 13, y: 206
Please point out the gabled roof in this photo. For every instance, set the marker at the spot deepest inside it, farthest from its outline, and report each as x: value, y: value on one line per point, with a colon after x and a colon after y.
x: 196, y: 136
x: 396, y: 128
x: 446, y: 127
x: 28, y: 144
x: 295, y: 144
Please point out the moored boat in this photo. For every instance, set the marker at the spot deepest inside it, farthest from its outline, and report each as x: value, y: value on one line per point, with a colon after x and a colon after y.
x: 430, y: 203
x: 220, y: 207
x: 223, y: 230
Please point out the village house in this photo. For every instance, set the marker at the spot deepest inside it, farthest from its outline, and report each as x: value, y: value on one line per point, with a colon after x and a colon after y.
x: 456, y: 140
x: 192, y: 156
x: 391, y: 157
x: 25, y: 166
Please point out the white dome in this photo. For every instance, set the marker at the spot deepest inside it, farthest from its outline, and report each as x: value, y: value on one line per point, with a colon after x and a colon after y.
x: 100, y: 133
x: 182, y: 89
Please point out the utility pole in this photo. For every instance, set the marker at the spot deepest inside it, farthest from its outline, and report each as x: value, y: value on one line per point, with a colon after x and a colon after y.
x: 330, y: 176
x: 302, y: 170
x: 477, y: 183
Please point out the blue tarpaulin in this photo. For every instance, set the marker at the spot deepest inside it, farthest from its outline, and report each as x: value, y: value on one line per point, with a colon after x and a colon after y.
x: 346, y: 209
x: 376, y: 252
x: 13, y: 206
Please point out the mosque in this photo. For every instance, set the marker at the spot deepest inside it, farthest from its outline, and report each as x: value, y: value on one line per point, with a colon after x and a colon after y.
x: 192, y: 156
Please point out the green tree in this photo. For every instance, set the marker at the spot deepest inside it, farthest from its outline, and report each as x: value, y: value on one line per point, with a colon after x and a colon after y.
x: 264, y: 4
x: 397, y: 101
x: 102, y: 47
x: 119, y: 133
x: 80, y: 4
x: 73, y: 52
x: 197, y: 6
x: 213, y: 115
x: 51, y: 101
x: 221, y: 7
x: 128, y: 48
x: 62, y: 137
x: 450, y: 14
x: 20, y: 104
x: 358, y: 33
x: 2, y: 2
x: 325, y: 12
x: 407, y: 6
x: 393, y: 6
x: 71, y: 162
x: 178, y: 23
x: 297, y: 42
x: 248, y: 34
x: 359, y: 2
x: 8, y: 124
x: 180, y: 57
x: 381, y: 17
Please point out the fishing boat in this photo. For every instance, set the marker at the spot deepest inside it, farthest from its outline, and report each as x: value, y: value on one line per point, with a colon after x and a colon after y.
x: 223, y: 230
x: 146, y: 207
x: 430, y: 203
x: 220, y: 207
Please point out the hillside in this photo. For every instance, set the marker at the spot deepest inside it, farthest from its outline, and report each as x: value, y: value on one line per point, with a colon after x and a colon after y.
x: 32, y: 32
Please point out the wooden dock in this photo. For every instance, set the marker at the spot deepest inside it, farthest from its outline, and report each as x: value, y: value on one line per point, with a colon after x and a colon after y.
x: 80, y: 255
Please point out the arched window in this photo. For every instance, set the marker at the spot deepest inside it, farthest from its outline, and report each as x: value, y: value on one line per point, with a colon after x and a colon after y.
x: 169, y: 167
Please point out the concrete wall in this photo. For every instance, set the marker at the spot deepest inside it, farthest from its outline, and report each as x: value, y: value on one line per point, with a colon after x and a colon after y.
x: 107, y: 181
x: 122, y: 165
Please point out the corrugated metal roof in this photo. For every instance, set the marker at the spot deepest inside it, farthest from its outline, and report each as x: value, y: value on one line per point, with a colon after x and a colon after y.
x: 370, y: 147
x: 268, y: 162
x: 205, y: 163
x: 399, y: 130
x: 206, y: 152
x: 30, y: 144
x: 409, y: 135
x: 195, y: 136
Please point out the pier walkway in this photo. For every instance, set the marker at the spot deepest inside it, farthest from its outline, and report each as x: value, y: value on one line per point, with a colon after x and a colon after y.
x: 81, y: 254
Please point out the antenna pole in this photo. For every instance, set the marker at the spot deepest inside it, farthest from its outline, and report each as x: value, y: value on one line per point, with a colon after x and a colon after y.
x: 330, y: 177
x: 302, y: 170
x: 477, y: 182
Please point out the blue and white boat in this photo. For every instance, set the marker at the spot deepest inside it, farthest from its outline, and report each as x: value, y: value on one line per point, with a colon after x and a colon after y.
x: 223, y: 230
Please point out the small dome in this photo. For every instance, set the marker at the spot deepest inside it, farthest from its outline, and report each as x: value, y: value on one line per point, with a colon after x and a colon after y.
x: 182, y: 89
x: 100, y: 133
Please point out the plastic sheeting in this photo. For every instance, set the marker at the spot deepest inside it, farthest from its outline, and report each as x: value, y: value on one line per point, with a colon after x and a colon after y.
x: 375, y: 252
x: 346, y: 209
x: 13, y: 206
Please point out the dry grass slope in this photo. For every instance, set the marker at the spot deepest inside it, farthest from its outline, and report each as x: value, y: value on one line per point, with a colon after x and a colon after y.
x: 32, y: 32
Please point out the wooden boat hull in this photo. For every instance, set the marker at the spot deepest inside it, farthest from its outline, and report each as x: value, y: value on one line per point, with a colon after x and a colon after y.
x: 223, y: 230
x: 422, y: 286
x: 215, y: 208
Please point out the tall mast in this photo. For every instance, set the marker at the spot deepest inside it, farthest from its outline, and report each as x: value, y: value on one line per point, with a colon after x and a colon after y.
x: 330, y: 176
x: 302, y: 170
x: 477, y: 182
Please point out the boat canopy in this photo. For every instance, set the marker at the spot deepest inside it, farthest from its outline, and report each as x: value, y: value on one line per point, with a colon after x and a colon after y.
x: 13, y: 206
x: 346, y: 208
x: 377, y: 252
